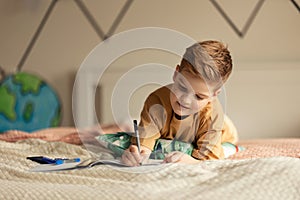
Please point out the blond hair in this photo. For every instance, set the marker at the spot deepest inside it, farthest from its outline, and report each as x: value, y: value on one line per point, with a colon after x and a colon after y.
x: 211, y: 60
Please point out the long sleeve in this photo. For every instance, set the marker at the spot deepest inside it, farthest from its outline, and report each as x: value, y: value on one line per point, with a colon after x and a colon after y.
x: 209, y: 135
x: 151, y: 122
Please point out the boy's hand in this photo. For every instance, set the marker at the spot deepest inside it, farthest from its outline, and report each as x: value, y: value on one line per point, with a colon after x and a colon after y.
x: 180, y: 157
x: 132, y: 157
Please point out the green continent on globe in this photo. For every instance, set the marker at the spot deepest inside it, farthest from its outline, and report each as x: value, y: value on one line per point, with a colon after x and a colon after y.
x: 29, y: 83
x: 28, y: 111
x: 7, y: 103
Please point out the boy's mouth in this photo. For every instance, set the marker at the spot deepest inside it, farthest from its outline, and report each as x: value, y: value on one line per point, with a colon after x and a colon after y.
x: 182, y: 106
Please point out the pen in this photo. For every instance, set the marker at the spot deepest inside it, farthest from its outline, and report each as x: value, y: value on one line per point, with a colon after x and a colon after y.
x: 59, y: 161
x: 47, y: 160
x: 56, y: 161
x: 137, y: 135
x: 41, y: 159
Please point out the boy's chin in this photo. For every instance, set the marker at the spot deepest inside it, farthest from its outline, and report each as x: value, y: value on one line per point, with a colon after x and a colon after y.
x: 185, y: 112
x: 182, y: 113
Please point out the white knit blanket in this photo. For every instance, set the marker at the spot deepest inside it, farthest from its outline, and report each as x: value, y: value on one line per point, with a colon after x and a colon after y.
x: 260, y: 178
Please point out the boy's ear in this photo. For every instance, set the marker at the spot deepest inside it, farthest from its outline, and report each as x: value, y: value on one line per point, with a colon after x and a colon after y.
x: 217, y: 92
x: 175, y: 73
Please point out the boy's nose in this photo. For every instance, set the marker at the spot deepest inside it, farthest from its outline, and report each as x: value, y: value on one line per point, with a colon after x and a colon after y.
x: 185, y: 99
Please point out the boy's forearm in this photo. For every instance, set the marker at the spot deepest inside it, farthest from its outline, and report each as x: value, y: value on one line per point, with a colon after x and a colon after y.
x: 215, y: 154
x: 144, y: 145
x: 146, y: 142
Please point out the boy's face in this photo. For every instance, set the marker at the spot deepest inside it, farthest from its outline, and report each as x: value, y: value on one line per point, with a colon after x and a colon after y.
x: 189, y: 93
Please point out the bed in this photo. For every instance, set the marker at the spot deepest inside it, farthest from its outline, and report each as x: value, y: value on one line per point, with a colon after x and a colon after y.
x: 266, y: 169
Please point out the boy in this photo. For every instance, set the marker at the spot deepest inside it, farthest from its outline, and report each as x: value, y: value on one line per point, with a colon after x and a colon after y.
x: 188, y: 110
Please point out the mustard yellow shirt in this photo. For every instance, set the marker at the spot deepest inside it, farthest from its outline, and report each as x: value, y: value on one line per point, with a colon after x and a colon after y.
x: 205, y: 129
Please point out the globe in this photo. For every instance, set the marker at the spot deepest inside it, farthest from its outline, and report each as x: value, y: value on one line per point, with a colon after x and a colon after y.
x: 27, y: 103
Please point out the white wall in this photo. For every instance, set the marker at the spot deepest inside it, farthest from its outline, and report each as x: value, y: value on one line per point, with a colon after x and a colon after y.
x: 263, y: 99
x: 262, y: 93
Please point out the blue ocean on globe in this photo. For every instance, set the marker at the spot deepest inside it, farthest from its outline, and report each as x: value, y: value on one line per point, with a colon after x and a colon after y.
x: 27, y: 103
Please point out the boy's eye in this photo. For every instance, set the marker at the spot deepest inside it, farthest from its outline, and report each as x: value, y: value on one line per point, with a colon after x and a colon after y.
x: 198, y: 97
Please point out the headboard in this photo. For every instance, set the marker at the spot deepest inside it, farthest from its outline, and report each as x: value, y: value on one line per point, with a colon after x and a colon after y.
x: 119, y: 94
